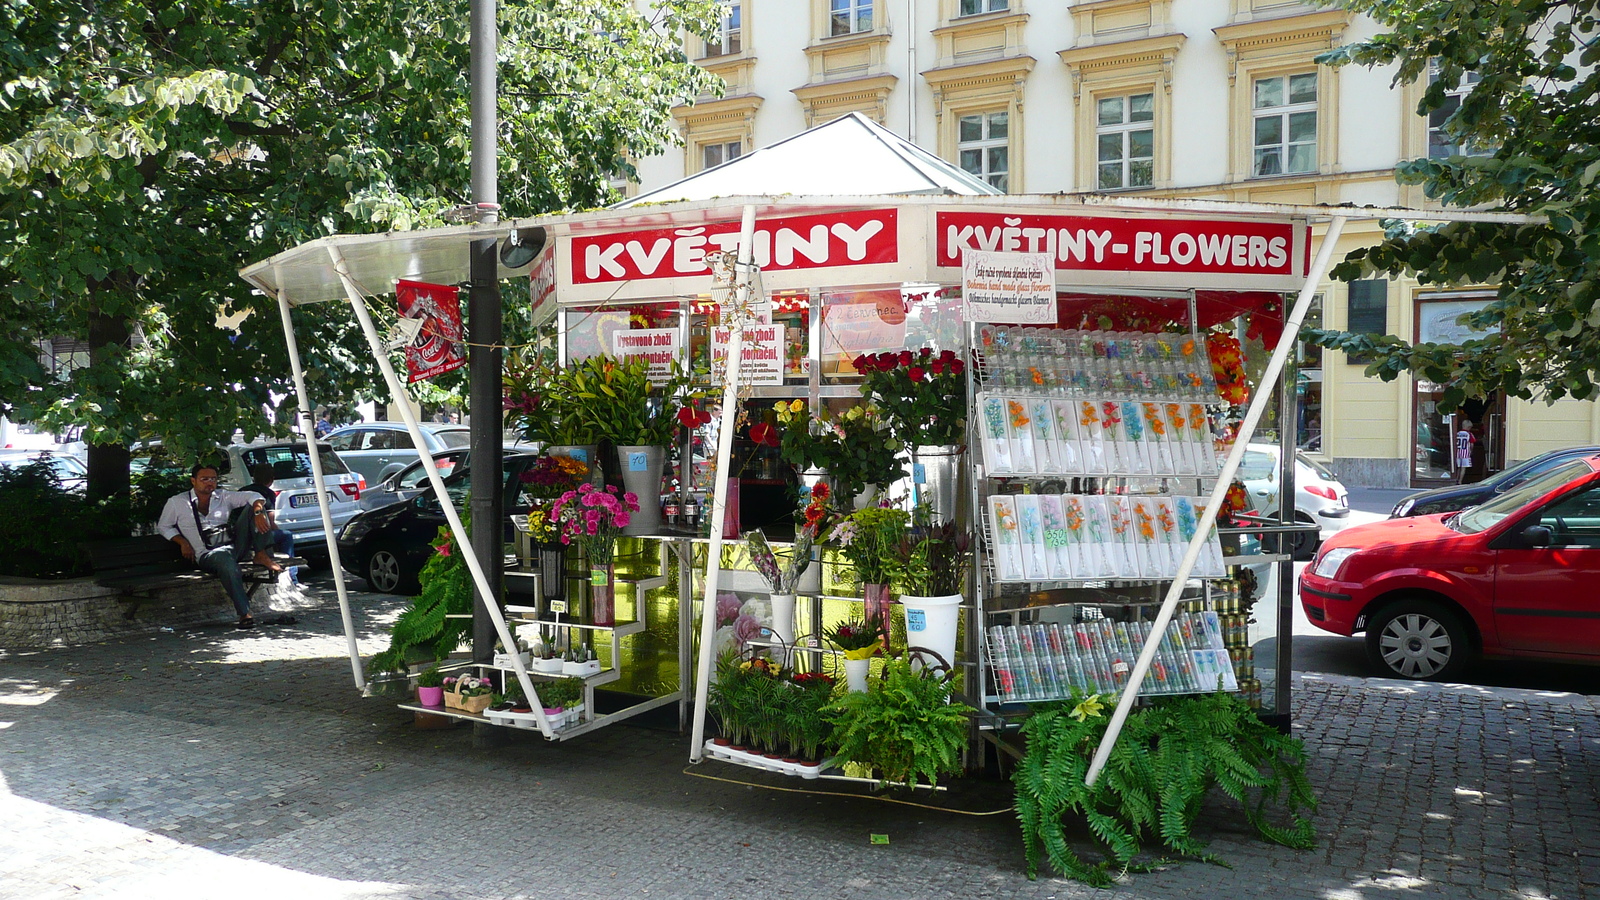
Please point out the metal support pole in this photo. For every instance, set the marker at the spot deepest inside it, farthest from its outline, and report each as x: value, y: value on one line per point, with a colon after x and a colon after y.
x: 719, y: 504
x: 1208, y: 519
x: 446, y: 506
x: 484, y: 319
x: 319, y: 478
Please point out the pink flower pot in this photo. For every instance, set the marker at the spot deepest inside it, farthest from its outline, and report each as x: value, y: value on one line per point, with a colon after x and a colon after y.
x: 430, y: 696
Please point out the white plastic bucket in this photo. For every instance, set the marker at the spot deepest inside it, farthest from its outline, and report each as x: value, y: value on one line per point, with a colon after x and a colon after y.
x: 931, y: 624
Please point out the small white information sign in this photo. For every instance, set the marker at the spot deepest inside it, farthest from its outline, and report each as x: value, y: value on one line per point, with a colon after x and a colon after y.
x: 1014, y: 288
x: 657, y: 346
x: 762, y: 361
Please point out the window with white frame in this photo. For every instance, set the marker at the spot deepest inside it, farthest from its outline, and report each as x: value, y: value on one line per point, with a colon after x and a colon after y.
x: 979, y: 7
x: 849, y: 16
x: 713, y: 155
x: 1285, y: 111
x: 983, y: 146
x: 729, y: 33
x: 1441, y: 143
x: 1125, y: 141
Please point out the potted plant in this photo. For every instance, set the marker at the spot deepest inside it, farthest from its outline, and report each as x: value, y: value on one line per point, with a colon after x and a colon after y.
x: 783, y: 577
x: 922, y: 396
x: 546, y: 660
x: 928, y: 567
x: 468, y: 693
x: 593, y: 517
x: 806, y: 728
x: 541, y: 403
x: 859, y: 640
x: 541, y: 485
x: 904, y: 728
x: 868, y: 538
x: 430, y: 687
x: 853, y: 447
x: 563, y: 701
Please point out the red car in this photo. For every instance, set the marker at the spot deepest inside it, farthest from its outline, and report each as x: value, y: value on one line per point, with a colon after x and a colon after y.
x: 1518, y: 576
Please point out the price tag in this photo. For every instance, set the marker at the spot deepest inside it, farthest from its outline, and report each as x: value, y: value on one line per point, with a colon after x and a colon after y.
x: 597, y: 577
x: 558, y: 606
x: 919, y: 474
x: 916, y: 620
x: 636, y: 462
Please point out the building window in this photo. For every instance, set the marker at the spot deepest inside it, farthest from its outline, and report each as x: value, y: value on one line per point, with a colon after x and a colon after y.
x: 1285, y: 124
x: 979, y: 7
x: 1125, y: 136
x: 713, y: 155
x: 729, y: 32
x: 849, y: 17
x: 1441, y: 143
x: 983, y: 144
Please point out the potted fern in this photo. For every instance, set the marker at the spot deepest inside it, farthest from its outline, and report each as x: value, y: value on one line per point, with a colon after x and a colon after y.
x: 904, y: 728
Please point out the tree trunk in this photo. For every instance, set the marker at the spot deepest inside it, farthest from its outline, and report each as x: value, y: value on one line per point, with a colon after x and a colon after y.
x: 108, y: 464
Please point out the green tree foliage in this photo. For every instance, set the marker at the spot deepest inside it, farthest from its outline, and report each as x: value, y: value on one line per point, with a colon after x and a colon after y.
x: 1536, y: 104
x: 148, y: 150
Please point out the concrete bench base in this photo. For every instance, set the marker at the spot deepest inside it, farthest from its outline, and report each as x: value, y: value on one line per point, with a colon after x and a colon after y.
x: 36, y: 614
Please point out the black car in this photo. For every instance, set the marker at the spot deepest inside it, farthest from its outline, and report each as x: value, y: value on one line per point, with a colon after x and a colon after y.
x: 1460, y: 496
x: 389, y: 546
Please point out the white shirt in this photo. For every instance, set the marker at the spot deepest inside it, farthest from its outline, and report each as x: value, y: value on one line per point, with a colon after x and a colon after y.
x: 177, y: 517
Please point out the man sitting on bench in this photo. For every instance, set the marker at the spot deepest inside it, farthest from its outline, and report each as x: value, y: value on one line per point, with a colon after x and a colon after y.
x: 197, y: 521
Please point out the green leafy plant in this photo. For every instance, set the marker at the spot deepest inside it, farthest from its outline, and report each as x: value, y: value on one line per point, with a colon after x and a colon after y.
x: 430, y: 677
x: 931, y: 560
x: 807, y: 730
x: 561, y: 693
x: 904, y: 728
x: 1154, y: 784
x: 424, y: 626
x: 619, y: 403
x: 854, y: 446
x: 923, y: 394
x: 868, y: 538
x: 859, y: 639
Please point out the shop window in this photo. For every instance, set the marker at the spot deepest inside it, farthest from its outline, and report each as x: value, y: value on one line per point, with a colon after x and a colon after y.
x: 1125, y: 139
x: 1308, y: 386
x: 983, y: 146
x: 1441, y: 143
x: 1367, y: 311
x: 713, y: 155
x: 849, y: 17
x: 979, y: 7
x: 729, y: 31
x: 1285, y: 124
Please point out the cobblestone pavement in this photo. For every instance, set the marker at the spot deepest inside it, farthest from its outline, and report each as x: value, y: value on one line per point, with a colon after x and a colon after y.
x: 217, y: 763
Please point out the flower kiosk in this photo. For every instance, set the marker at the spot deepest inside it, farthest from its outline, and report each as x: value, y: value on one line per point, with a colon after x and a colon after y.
x: 932, y: 457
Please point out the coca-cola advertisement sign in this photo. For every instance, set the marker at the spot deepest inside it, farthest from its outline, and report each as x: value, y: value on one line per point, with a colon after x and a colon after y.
x: 845, y: 238
x: 1103, y: 243
x: 437, y: 348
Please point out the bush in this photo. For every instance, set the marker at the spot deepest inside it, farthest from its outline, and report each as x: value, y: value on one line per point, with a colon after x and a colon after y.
x: 42, y: 525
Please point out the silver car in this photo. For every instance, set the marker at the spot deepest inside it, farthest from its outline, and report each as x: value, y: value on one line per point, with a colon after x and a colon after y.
x: 296, y: 507
x: 376, y: 450
x: 68, y: 469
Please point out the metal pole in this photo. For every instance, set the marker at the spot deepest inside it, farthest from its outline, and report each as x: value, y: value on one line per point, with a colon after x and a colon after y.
x: 446, y: 506
x: 1208, y: 519
x: 309, y: 429
x: 719, y: 502
x: 1288, y: 509
x: 484, y: 353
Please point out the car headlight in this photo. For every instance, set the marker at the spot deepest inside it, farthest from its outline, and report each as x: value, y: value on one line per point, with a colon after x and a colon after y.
x: 1402, y: 508
x: 356, y: 529
x: 1328, y: 564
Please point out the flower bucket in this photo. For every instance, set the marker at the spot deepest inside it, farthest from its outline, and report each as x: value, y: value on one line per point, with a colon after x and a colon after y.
x: 783, y: 625
x: 855, y: 674
x: 641, y: 468
x: 430, y: 696
x: 931, y: 624
x: 588, y: 454
x: 936, y: 475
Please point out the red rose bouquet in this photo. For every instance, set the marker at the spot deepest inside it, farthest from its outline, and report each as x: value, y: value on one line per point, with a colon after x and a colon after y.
x: 923, y: 395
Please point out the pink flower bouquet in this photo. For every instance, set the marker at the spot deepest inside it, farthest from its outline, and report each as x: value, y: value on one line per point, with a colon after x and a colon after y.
x: 593, y: 517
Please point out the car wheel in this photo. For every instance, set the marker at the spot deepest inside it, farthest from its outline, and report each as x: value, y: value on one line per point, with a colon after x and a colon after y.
x: 1303, y: 546
x: 387, y: 573
x: 1419, y: 640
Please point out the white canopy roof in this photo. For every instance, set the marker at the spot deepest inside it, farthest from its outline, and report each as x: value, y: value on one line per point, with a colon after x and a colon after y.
x: 849, y: 155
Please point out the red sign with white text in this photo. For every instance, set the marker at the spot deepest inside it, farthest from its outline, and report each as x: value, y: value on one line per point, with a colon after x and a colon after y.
x: 846, y: 238
x: 437, y: 348
x: 1125, y: 245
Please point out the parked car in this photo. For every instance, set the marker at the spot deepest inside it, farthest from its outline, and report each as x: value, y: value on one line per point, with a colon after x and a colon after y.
x: 376, y: 450
x: 69, y: 470
x: 1319, y: 498
x: 1460, y: 496
x: 389, y: 546
x: 297, y: 510
x: 1518, y: 576
x: 413, y: 480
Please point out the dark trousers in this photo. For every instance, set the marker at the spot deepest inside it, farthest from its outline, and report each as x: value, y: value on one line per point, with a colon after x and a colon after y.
x: 223, y: 561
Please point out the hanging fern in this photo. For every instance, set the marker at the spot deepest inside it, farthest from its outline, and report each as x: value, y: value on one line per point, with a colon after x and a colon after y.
x: 422, y: 630
x: 1168, y: 757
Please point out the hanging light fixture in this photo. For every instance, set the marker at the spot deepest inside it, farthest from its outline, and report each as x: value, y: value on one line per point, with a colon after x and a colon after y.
x: 521, y: 247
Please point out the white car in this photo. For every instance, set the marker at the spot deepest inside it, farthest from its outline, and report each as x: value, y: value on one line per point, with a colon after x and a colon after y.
x: 1319, y: 498
x: 297, y: 511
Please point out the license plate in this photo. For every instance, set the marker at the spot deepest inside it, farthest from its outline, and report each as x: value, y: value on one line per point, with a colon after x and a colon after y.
x: 300, y: 500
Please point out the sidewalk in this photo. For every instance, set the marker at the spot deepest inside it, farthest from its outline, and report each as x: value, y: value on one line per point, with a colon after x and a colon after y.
x: 220, y: 763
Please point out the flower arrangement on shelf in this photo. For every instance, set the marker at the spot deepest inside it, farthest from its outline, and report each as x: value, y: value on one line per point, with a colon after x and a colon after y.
x: 782, y: 577
x: 857, y: 638
x: 922, y: 394
x: 539, y: 403
x: 469, y: 693
x: 868, y: 538
x: 760, y: 705
x: 542, y: 484
x: 854, y: 447
x: 593, y: 517
x: 931, y: 560
x: 621, y: 404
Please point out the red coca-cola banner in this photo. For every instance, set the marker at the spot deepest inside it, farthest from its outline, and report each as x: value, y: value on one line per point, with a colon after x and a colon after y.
x: 845, y: 238
x: 437, y: 348
x: 1125, y: 245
